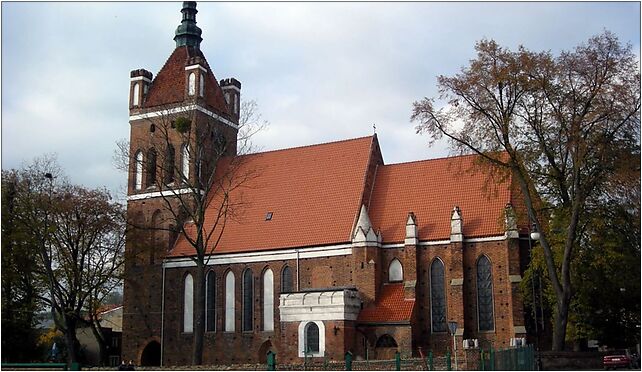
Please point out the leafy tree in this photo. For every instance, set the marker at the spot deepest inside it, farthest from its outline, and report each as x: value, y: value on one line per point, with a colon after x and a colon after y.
x: 79, y: 242
x: 559, y: 124
x: 216, y: 168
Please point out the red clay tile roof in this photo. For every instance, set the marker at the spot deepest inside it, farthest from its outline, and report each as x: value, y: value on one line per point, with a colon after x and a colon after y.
x: 168, y: 87
x: 391, y: 306
x: 313, y: 192
x: 431, y: 189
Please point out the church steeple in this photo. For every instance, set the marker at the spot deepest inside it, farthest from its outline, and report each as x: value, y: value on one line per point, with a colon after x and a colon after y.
x: 188, y: 33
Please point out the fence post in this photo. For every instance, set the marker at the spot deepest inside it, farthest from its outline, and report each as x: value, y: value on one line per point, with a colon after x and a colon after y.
x: 430, y: 365
x: 398, y: 361
x: 448, y: 366
x: 271, y: 360
x: 348, y: 361
x: 75, y: 366
x: 482, y: 360
x: 491, y: 364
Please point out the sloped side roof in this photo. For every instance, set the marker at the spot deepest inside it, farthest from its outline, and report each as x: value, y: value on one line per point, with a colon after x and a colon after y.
x: 391, y: 306
x: 168, y: 87
x: 313, y: 193
x: 431, y: 189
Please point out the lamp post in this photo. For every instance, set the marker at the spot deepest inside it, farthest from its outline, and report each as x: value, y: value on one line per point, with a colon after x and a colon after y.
x: 452, y: 327
x: 534, y: 236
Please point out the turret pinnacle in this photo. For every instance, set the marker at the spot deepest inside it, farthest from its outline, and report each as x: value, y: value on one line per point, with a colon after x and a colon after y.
x: 188, y: 33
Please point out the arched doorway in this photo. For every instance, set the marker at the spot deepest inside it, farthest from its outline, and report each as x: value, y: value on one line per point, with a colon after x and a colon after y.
x: 263, y: 350
x: 151, y: 354
x: 386, y: 347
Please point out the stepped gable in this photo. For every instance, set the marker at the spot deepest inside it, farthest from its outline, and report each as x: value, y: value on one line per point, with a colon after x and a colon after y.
x: 168, y: 87
x: 313, y: 192
x: 391, y: 306
x: 431, y: 189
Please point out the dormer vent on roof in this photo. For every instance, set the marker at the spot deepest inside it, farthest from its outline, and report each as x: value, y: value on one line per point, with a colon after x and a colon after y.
x: 188, y: 33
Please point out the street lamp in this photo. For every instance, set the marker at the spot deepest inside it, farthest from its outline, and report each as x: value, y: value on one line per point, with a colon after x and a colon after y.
x: 452, y: 327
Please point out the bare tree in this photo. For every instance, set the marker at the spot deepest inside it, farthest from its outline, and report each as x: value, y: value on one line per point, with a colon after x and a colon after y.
x: 561, y: 122
x: 194, y: 163
x: 80, y: 234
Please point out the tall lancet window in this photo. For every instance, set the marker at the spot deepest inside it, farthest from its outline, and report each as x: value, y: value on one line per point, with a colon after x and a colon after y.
x: 229, y: 302
x: 138, y: 177
x: 248, y: 294
x: 136, y: 93
x: 210, y: 302
x: 201, y: 83
x: 188, y: 305
x: 437, y: 296
x: 185, y: 161
x: 486, y: 318
x: 286, y: 280
x: 268, y: 300
x: 191, y: 84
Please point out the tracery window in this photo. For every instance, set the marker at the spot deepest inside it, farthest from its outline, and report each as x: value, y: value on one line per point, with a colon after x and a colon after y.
x: 247, y: 300
x: 395, y: 271
x: 138, y: 177
x: 286, y: 280
x: 485, y: 314
x: 437, y: 296
x: 268, y: 300
x: 311, y: 338
x: 210, y: 302
x: 229, y: 302
x: 188, y: 304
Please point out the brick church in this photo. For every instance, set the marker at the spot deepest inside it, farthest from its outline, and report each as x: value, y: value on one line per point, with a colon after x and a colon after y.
x: 332, y: 251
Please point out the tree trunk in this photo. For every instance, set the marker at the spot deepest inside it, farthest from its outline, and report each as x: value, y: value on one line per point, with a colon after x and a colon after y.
x: 561, y: 320
x: 102, y: 344
x: 70, y: 339
x: 199, y: 314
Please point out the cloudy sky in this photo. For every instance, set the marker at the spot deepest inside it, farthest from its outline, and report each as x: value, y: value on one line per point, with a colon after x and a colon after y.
x: 319, y: 71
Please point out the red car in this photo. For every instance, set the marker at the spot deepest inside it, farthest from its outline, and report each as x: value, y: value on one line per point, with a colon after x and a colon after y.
x: 617, y: 358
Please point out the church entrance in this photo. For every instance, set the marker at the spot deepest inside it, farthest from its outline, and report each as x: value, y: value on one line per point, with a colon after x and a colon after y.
x: 263, y: 350
x: 385, y: 348
x: 151, y: 355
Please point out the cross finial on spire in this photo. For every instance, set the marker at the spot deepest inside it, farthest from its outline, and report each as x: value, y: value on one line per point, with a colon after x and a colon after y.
x: 188, y: 33
x: 374, y: 128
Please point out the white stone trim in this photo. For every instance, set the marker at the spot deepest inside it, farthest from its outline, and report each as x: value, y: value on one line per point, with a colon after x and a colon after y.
x: 185, y: 108
x: 458, y: 281
x: 231, y: 87
x: 143, y: 78
x: 156, y: 194
x: 519, y: 329
x: 191, y: 67
x: 514, y: 278
x: 273, y: 255
x: 442, y: 242
x: 301, y: 345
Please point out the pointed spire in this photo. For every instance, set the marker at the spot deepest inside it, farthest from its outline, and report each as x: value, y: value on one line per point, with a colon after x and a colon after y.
x: 510, y: 222
x: 411, y: 230
x: 364, y: 221
x: 456, y: 231
x: 188, y: 33
x: 363, y: 231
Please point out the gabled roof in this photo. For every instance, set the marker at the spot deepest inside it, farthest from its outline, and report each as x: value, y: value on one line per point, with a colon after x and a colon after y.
x: 313, y: 192
x: 168, y: 87
x: 391, y: 306
x: 431, y: 189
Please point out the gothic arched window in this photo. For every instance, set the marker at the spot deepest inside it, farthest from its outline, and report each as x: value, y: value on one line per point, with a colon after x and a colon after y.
x: 138, y: 170
x: 188, y: 304
x: 151, y: 167
x: 268, y: 300
x: 185, y: 161
x: 286, y: 280
x: 229, y: 302
x: 201, y: 81
x: 311, y: 338
x: 437, y: 296
x: 485, y: 314
x: 247, y: 300
x: 136, y: 94
x: 191, y: 84
x: 170, y: 161
x: 210, y: 302
x: 395, y: 271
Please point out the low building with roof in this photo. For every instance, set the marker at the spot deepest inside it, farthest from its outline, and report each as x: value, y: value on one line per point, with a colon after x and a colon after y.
x: 332, y: 251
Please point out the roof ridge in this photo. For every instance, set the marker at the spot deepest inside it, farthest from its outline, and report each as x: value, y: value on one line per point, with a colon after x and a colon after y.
x: 443, y: 158
x: 305, y: 146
